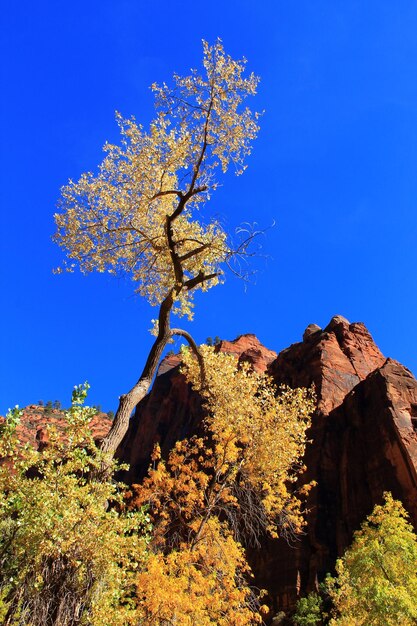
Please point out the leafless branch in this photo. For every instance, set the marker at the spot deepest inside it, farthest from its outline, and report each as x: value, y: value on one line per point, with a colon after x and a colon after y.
x: 183, y: 333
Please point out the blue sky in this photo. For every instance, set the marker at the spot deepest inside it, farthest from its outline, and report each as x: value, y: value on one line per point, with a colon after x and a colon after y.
x: 335, y: 167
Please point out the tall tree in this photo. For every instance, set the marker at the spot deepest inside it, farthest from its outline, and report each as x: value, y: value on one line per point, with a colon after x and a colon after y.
x: 141, y: 214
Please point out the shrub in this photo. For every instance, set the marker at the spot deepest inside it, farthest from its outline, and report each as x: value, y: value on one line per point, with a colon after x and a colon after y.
x: 376, y: 579
x: 309, y: 611
x: 69, y: 553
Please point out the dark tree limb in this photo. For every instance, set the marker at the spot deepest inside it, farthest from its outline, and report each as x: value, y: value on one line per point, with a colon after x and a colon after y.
x: 128, y: 401
x: 183, y: 333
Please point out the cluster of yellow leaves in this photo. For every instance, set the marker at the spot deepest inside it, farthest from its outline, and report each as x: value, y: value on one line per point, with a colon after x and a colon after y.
x: 68, y: 552
x: 231, y: 483
x: 116, y: 220
x: 229, y: 129
x: 258, y: 432
x: 198, y: 585
x: 376, y: 583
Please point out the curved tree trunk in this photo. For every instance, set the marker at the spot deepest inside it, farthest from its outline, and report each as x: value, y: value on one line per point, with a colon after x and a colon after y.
x: 130, y: 400
x: 127, y: 404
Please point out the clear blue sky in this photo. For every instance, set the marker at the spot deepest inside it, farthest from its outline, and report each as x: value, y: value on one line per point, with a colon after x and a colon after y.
x: 335, y: 167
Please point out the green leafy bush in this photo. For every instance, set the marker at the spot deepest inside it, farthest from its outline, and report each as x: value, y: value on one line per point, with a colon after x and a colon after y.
x: 69, y: 553
x: 309, y: 611
x: 376, y: 581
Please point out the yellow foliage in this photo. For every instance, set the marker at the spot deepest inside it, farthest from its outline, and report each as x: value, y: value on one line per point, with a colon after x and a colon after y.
x: 231, y: 483
x: 257, y: 431
x: 68, y: 553
x: 139, y: 214
x: 198, y: 585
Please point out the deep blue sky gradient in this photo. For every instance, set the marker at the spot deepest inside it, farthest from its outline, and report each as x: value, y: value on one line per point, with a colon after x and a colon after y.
x: 335, y: 167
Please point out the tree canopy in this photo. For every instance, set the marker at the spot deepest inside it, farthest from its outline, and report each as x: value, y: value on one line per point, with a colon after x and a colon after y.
x: 376, y: 583
x: 69, y: 553
x: 218, y: 491
x: 142, y: 213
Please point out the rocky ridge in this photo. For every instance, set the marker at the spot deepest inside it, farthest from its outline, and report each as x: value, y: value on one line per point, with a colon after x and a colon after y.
x: 363, y: 441
x: 35, y: 419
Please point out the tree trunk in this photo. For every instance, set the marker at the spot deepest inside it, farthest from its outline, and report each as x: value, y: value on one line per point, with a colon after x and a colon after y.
x: 127, y: 404
x: 130, y: 400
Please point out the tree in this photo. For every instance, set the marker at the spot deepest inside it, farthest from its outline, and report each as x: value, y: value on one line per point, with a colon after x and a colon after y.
x: 219, y: 490
x: 73, y: 551
x: 258, y: 435
x: 69, y: 552
x: 141, y: 214
x: 309, y: 610
x: 376, y: 583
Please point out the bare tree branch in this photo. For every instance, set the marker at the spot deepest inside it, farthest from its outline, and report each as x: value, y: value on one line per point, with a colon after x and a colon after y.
x: 183, y: 333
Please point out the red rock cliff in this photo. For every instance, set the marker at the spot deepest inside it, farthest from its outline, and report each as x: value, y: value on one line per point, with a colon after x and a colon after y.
x: 363, y: 441
x: 172, y: 410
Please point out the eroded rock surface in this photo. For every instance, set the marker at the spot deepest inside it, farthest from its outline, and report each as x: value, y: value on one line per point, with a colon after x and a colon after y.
x: 172, y: 410
x: 334, y: 360
x: 35, y: 419
x: 363, y: 441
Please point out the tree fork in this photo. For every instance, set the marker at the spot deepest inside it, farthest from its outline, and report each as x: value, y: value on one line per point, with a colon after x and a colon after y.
x: 130, y: 400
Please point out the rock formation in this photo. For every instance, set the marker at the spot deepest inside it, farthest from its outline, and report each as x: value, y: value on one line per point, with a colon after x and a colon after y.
x: 32, y: 427
x: 362, y: 444
x: 172, y: 410
x: 363, y: 441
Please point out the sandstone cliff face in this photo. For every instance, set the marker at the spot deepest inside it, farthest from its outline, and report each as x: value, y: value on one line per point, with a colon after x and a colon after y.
x: 362, y: 444
x: 363, y: 441
x: 172, y: 410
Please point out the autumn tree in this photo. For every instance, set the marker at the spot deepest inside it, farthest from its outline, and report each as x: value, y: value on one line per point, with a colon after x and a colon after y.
x: 143, y: 213
x: 69, y: 552
x: 219, y: 490
x: 376, y: 582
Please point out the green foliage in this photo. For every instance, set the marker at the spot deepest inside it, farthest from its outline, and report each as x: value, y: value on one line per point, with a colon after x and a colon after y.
x: 213, y: 342
x: 376, y: 583
x: 69, y: 553
x: 309, y: 610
